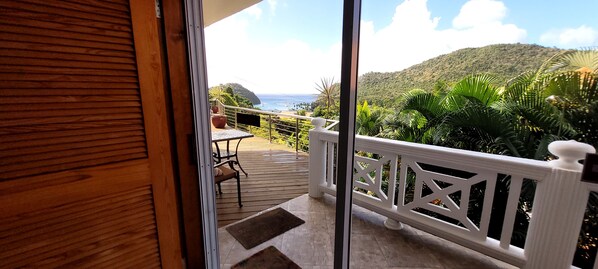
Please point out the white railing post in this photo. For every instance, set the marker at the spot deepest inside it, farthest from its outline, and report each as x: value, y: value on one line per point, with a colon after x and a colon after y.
x: 317, y: 158
x: 558, y: 211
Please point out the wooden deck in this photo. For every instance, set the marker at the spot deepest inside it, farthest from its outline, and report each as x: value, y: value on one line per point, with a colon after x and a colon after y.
x: 276, y: 174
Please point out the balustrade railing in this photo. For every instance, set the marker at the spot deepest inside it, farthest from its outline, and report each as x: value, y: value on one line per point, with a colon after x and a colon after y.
x: 453, y: 194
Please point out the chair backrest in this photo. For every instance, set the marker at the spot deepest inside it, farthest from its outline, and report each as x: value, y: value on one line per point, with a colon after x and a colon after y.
x: 227, y: 173
x: 248, y: 119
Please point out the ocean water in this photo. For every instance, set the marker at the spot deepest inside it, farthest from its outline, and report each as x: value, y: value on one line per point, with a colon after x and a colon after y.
x: 284, y: 102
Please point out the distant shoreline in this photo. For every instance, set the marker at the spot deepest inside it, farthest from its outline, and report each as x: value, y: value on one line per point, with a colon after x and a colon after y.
x: 284, y: 102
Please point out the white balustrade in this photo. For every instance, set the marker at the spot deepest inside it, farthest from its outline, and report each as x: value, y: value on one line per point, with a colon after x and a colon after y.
x: 317, y: 158
x: 559, y: 207
x: 432, y: 191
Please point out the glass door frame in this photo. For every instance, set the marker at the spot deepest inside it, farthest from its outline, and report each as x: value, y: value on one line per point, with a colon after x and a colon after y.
x: 202, y: 127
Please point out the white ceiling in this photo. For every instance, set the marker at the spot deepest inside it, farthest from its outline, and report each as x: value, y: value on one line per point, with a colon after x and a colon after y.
x: 215, y: 10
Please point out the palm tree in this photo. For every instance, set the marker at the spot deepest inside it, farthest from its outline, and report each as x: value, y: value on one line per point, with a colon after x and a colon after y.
x: 223, y: 94
x: 568, y: 83
x: 559, y: 101
x: 513, y: 120
x: 472, y: 115
x: 519, y: 119
x: 368, y: 121
x: 329, y: 93
x: 572, y: 60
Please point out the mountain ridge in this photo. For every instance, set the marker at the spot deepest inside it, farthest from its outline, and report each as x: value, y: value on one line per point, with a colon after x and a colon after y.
x: 504, y: 61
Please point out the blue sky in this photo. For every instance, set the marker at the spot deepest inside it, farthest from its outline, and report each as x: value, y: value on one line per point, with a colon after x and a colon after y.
x: 286, y: 46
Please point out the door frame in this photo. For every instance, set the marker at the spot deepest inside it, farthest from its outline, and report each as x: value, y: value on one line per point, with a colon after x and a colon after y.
x: 202, y: 126
x: 184, y: 41
x: 200, y: 103
x: 346, y: 136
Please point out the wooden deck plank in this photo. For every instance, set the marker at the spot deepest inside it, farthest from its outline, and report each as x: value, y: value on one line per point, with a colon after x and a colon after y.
x: 276, y: 174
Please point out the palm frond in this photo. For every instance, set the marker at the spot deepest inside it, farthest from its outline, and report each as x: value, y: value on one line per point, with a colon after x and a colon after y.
x: 517, y: 86
x: 485, y: 126
x: 573, y: 60
x: 478, y: 87
x: 573, y: 88
x: 428, y: 104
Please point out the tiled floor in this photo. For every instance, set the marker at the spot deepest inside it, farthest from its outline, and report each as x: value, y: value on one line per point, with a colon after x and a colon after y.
x: 372, y: 245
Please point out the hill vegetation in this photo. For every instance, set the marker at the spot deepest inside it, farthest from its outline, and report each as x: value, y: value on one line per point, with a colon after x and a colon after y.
x: 504, y: 61
x: 503, y: 99
x: 242, y: 91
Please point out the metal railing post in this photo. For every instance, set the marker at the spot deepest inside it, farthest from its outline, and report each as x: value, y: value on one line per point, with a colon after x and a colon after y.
x: 297, y: 135
x: 231, y: 113
x: 270, y: 128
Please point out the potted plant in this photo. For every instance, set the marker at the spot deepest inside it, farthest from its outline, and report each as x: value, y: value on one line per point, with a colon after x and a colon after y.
x: 214, y: 105
x: 219, y: 120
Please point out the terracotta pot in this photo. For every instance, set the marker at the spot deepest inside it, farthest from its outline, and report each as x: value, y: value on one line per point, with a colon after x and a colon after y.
x: 219, y: 121
x: 214, y: 109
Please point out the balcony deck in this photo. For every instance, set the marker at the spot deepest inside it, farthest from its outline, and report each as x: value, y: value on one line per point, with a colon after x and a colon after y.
x: 276, y: 174
x: 311, y: 245
x: 278, y: 177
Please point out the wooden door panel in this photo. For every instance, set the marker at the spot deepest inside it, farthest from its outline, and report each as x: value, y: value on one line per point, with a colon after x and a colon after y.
x: 29, y: 51
x: 80, y: 217
x: 86, y: 176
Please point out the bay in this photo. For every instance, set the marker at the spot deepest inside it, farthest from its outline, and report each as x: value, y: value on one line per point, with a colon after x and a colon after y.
x: 283, y: 102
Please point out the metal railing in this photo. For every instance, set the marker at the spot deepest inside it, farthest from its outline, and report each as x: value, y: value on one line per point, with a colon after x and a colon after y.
x: 281, y: 128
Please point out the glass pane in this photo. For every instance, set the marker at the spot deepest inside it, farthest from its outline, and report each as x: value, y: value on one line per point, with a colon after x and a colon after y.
x: 266, y: 66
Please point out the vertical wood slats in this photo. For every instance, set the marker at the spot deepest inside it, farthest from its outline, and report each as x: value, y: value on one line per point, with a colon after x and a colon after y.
x: 70, y: 93
x: 102, y: 232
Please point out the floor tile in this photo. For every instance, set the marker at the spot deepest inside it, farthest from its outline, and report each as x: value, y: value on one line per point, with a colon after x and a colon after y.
x: 314, y: 221
x: 238, y: 253
x: 406, y: 250
x: 311, y: 245
x: 453, y: 256
x: 306, y: 203
x: 311, y: 248
x: 225, y: 243
x: 365, y: 252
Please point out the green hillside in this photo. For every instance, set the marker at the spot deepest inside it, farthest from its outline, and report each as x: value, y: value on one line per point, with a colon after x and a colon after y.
x: 240, y: 90
x: 504, y: 61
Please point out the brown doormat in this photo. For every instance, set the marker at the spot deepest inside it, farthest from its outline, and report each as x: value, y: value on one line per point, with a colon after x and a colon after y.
x: 269, y: 258
x: 259, y: 229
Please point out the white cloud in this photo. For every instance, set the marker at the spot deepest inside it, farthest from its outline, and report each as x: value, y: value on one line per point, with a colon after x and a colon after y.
x: 479, y: 12
x: 289, y: 67
x: 413, y: 35
x: 295, y: 66
x: 254, y: 11
x: 582, y: 36
x: 272, y: 4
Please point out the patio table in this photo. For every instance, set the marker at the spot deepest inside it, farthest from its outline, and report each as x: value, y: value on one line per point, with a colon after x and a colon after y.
x: 228, y: 134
